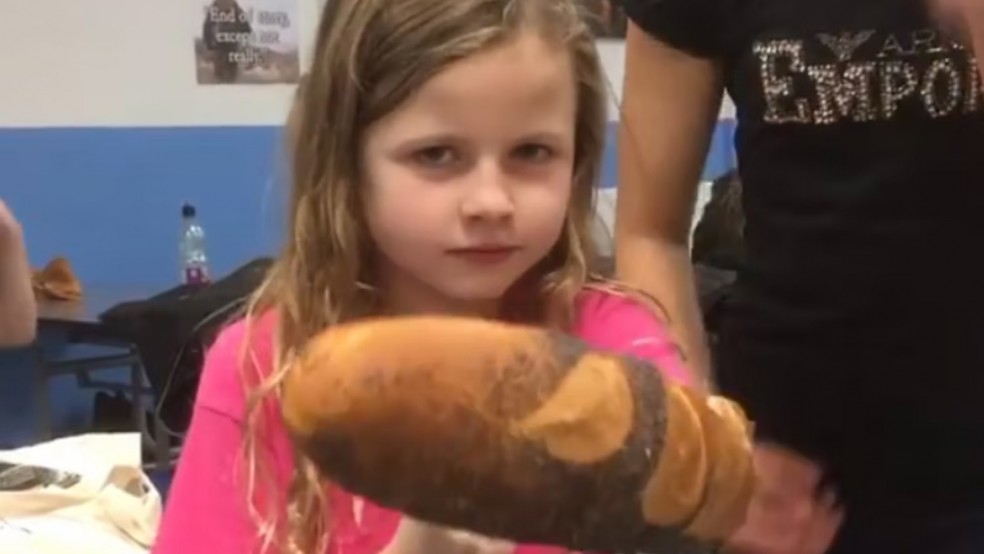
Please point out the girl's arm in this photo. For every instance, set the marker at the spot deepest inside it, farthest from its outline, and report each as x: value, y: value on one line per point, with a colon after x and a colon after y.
x: 207, y: 510
x: 206, y: 507
x: 415, y: 537
x: 626, y: 325
x: 671, y: 100
x: 18, y: 308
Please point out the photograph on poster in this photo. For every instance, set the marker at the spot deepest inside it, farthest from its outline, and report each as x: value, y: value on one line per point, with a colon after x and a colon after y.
x: 247, y: 42
x: 606, y: 18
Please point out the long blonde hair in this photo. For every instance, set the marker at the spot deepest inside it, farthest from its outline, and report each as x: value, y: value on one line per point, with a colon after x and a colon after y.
x: 369, y: 57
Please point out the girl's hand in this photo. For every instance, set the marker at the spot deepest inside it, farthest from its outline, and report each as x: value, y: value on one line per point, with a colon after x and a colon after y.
x: 417, y: 537
x: 785, y: 516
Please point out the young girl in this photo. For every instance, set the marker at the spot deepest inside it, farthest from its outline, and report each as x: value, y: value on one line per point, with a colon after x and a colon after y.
x: 445, y: 154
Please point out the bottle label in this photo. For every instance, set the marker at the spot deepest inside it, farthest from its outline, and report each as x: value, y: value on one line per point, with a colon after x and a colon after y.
x: 195, y: 276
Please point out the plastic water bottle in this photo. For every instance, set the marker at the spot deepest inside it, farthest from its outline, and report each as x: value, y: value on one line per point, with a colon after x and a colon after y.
x: 194, y: 261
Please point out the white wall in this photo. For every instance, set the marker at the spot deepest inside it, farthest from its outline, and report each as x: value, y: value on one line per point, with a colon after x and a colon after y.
x: 127, y: 63
x: 131, y: 63
x: 121, y: 63
x: 612, y: 54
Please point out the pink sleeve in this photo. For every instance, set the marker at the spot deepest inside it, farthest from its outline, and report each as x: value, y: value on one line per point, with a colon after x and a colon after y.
x: 621, y: 324
x: 207, y: 508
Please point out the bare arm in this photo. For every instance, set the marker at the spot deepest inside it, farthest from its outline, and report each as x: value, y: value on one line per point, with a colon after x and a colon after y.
x: 415, y: 537
x: 18, y: 310
x: 670, y: 103
x: 966, y: 19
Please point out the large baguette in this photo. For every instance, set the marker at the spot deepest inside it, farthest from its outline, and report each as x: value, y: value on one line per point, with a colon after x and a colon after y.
x: 519, y: 433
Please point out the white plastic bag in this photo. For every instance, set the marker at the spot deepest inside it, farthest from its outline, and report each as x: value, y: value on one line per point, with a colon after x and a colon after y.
x: 112, y: 509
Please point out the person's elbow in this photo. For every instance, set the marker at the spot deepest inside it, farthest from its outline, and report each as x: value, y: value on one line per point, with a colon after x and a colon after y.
x: 15, y: 334
x: 23, y: 335
x: 20, y: 328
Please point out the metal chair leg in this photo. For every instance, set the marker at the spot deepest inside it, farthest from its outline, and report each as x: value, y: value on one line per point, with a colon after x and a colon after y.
x: 42, y: 396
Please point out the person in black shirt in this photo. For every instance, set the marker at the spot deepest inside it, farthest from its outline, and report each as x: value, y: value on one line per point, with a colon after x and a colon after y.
x: 854, y: 336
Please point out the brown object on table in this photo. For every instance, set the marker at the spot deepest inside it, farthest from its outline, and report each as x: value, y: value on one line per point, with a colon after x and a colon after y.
x: 520, y: 433
x: 57, y: 281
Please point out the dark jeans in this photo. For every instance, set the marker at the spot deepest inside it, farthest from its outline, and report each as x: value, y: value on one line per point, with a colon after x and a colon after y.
x: 957, y: 533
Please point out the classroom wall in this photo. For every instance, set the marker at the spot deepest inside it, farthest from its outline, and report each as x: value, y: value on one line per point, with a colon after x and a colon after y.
x: 104, y: 133
x: 720, y: 159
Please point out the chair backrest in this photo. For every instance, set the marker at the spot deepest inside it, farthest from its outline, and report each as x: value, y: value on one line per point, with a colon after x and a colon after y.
x: 718, y: 239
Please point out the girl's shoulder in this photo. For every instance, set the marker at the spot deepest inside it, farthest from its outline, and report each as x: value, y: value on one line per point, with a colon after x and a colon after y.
x: 239, y: 359
x: 601, y: 309
x: 629, y: 323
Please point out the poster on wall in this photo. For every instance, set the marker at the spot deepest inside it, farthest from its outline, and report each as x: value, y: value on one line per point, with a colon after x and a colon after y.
x: 249, y: 42
x: 606, y: 18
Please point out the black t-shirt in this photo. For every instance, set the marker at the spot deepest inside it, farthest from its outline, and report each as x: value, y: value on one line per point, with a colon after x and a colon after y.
x: 856, y: 333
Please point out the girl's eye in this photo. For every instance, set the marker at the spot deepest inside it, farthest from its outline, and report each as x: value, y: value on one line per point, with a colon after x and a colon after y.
x: 435, y: 156
x: 534, y: 152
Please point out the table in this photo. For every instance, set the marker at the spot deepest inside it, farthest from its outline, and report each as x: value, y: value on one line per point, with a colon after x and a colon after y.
x: 79, y: 322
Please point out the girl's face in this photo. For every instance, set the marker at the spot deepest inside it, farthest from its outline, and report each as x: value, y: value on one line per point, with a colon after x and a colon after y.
x: 468, y: 181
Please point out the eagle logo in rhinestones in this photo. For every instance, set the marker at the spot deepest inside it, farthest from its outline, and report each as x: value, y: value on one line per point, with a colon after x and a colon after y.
x: 844, y: 45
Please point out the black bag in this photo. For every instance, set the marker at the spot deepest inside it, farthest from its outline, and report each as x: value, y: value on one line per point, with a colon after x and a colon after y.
x: 719, y: 237
x: 173, y: 329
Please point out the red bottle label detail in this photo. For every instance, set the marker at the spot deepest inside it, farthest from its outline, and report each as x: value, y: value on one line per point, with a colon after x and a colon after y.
x: 195, y: 276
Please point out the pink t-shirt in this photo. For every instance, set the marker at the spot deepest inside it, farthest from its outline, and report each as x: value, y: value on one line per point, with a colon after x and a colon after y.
x: 207, y: 509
